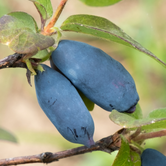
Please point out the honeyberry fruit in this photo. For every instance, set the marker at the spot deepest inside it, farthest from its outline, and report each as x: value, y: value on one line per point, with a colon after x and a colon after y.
x: 101, y: 78
x: 89, y: 104
x: 152, y: 157
x: 62, y: 104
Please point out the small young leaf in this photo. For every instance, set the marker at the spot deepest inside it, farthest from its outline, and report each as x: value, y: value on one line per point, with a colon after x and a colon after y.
x: 44, y: 7
x: 7, y: 136
x: 98, y: 3
x: 127, y: 121
x: 123, y: 119
x: 123, y: 156
x: 135, y: 158
x: 41, y: 54
x: 103, y: 28
x: 26, y: 19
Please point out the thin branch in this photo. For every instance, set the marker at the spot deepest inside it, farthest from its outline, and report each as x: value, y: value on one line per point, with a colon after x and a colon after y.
x: 150, y: 135
x: 135, y: 134
x: 47, y: 29
x: 12, y: 61
x: 108, y: 144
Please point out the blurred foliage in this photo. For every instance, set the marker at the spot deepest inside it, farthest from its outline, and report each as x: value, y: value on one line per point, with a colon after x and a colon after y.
x: 145, y: 22
x: 7, y: 136
x: 48, y: 138
x: 98, y: 159
x: 4, y: 8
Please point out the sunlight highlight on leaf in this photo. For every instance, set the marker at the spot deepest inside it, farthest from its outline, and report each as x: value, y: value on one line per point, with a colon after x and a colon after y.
x: 21, y: 37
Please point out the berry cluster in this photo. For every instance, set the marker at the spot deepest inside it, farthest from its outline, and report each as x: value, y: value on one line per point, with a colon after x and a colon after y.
x: 98, y: 76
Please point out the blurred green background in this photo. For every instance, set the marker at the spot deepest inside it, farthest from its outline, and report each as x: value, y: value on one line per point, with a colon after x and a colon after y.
x: 20, y: 113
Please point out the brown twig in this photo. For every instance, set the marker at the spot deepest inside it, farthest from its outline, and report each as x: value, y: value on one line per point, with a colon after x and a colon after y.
x: 12, y: 61
x: 108, y: 144
x: 135, y: 134
x: 47, y: 29
x: 144, y: 136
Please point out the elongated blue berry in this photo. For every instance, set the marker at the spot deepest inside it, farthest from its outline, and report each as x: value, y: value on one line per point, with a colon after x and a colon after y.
x: 152, y: 157
x: 101, y: 78
x: 62, y: 104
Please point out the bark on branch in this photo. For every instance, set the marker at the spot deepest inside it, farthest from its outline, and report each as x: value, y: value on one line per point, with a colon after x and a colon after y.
x: 15, y: 60
x: 12, y: 61
x: 108, y: 144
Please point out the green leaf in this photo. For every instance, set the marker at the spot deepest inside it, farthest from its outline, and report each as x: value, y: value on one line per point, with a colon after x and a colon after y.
x: 89, y: 104
x: 44, y: 7
x: 123, y: 156
x: 99, y: 2
x: 154, y: 125
x: 123, y: 119
x: 27, y: 42
x: 9, y: 25
x: 26, y: 20
x: 20, y: 38
x: 41, y: 54
x: 158, y: 122
x: 137, y: 114
x: 159, y: 113
x: 150, y: 123
x: 135, y: 158
x: 7, y: 136
x: 105, y: 29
